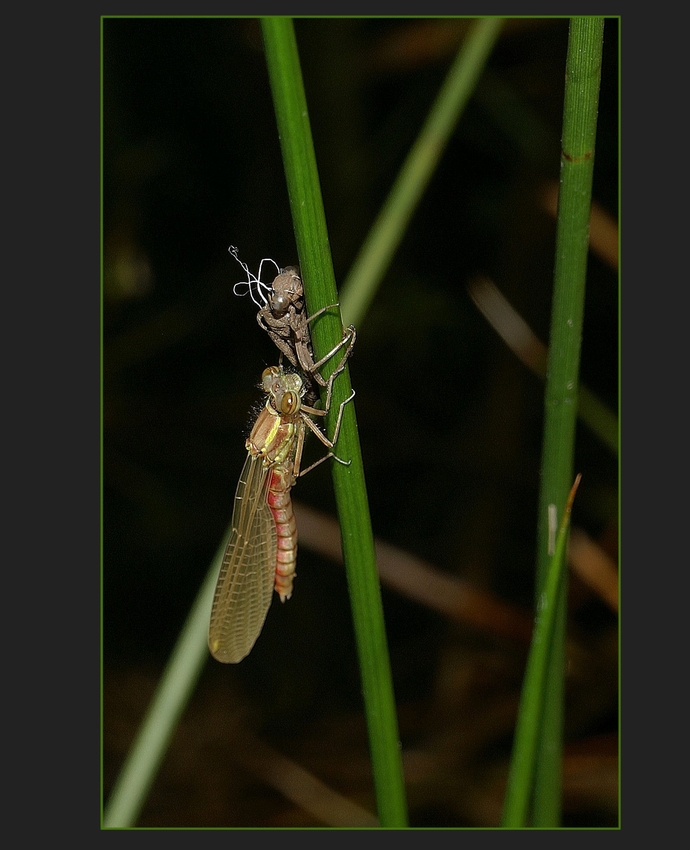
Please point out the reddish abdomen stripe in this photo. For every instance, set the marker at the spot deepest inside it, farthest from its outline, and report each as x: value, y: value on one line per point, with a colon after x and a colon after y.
x: 280, y: 503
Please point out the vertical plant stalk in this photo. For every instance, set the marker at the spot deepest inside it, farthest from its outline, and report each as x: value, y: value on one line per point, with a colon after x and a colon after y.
x: 391, y: 223
x: 350, y: 490
x: 516, y: 806
x: 583, y: 74
x: 169, y: 701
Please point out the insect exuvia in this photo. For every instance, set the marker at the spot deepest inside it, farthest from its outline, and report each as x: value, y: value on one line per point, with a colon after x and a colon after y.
x: 283, y: 315
x: 262, y: 548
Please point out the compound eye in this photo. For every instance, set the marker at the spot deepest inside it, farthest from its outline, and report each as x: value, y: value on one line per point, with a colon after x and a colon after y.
x: 289, y: 403
x: 279, y: 304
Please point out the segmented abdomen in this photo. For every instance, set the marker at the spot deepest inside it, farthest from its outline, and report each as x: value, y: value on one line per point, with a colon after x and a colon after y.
x: 280, y: 503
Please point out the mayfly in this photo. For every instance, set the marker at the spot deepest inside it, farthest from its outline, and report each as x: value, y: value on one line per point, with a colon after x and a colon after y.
x: 283, y: 315
x: 261, y: 552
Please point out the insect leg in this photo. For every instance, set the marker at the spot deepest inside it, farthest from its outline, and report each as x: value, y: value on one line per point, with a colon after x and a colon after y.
x: 349, y: 337
x: 324, y: 439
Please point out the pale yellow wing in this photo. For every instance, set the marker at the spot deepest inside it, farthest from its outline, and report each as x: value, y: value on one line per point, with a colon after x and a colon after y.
x: 247, y: 574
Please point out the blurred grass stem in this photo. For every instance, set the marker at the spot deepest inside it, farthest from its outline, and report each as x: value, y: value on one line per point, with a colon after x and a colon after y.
x: 390, y: 225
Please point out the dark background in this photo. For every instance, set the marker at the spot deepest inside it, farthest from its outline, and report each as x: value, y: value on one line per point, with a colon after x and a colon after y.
x: 450, y: 421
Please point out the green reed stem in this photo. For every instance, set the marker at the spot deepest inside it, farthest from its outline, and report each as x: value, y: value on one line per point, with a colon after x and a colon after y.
x: 350, y: 489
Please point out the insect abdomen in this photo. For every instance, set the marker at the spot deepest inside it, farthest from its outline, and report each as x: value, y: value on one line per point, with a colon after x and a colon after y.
x: 280, y: 503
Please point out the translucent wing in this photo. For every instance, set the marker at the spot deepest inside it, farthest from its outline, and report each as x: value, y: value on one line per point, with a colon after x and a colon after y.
x: 247, y: 574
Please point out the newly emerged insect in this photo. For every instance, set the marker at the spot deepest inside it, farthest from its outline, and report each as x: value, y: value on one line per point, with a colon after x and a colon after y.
x: 283, y: 315
x: 262, y: 548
